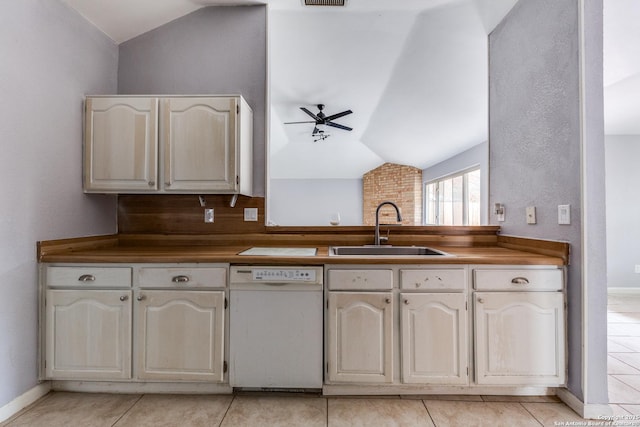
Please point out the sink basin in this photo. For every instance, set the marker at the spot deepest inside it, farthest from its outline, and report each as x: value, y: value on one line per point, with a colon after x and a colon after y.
x: 372, y: 250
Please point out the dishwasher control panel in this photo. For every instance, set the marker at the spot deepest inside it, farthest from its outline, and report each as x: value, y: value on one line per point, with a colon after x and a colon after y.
x: 284, y: 274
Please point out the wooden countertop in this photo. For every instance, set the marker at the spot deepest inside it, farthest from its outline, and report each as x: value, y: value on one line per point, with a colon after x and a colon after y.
x: 109, y: 249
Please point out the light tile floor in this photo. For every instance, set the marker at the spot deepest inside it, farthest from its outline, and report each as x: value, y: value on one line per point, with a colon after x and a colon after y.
x: 109, y: 410
x: 63, y: 409
x: 623, y: 368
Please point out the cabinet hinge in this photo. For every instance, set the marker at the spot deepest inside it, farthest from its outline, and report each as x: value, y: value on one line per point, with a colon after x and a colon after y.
x: 466, y: 308
x: 327, y: 367
x: 467, y: 371
x: 327, y: 304
x: 226, y: 303
x: 237, y: 179
x: 224, y: 367
x: 237, y: 109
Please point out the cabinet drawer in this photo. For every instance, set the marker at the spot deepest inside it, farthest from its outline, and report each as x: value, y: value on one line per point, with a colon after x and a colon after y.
x: 111, y: 277
x: 182, y: 277
x: 444, y: 279
x: 360, y: 279
x: 519, y: 279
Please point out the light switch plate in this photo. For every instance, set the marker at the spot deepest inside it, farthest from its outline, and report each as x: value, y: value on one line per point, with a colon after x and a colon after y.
x: 531, y: 215
x: 564, y: 214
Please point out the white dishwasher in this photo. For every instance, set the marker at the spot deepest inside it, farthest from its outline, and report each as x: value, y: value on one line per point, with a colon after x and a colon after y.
x: 275, y: 327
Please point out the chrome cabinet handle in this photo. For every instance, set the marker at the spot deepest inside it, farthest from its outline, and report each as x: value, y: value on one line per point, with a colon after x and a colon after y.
x: 87, y: 278
x: 387, y: 300
x: 152, y: 183
x: 481, y: 301
x: 520, y: 281
x: 180, y: 279
x: 140, y: 297
x: 124, y: 298
x: 406, y: 301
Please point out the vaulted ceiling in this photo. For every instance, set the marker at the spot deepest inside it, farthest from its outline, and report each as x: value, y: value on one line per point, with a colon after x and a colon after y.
x: 414, y: 72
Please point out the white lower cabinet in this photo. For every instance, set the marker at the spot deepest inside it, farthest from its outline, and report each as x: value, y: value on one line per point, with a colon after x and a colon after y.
x: 519, y: 322
x: 180, y: 335
x: 361, y: 337
x: 397, y: 325
x: 88, y: 334
x: 520, y: 338
x: 434, y: 338
x: 146, y: 323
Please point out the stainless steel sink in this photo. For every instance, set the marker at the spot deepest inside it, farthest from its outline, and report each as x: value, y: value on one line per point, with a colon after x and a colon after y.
x: 373, y: 250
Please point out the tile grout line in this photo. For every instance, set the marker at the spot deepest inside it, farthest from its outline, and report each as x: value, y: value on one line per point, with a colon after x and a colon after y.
x: 327, y: 411
x: 233, y: 397
x: 530, y: 413
x: 429, y: 413
x: 127, y: 411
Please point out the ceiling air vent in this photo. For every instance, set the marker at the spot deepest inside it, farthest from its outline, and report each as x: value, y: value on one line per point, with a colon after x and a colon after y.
x: 324, y: 2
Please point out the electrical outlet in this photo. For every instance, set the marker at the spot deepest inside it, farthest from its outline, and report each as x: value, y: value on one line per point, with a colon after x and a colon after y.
x: 250, y: 214
x: 208, y: 215
x: 500, y: 211
x: 531, y: 215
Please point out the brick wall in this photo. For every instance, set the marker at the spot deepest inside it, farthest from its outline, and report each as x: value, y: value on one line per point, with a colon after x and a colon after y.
x: 396, y: 183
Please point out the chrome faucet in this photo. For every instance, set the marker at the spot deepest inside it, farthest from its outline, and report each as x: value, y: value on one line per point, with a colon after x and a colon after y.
x: 376, y: 237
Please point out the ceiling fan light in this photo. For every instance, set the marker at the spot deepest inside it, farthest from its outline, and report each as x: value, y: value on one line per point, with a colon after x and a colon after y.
x: 325, y: 2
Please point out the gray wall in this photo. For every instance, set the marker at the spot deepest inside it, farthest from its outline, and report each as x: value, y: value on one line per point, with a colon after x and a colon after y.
x: 51, y: 58
x: 623, y: 210
x: 215, y: 50
x: 322, y: 197
x: 477, y: 155
x: 535, y: 144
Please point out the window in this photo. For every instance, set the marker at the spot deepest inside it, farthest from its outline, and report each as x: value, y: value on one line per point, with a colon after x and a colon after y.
x: 454, y: 200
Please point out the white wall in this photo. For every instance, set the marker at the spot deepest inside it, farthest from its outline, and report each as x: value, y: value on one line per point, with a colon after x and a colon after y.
x: 214, y: 50
x: 623, y: 209
x: 51, y: 58
x: 322, y: 198
x: 478, y: 155
x: 540, y: 155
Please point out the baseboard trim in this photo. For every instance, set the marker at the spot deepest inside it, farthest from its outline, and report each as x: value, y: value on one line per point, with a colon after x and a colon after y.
x: 590, y: 411
x: 24, y: 400
x: 627, y: 291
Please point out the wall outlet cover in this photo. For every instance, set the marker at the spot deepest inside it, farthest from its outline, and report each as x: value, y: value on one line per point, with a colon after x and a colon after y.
x: 208, y: 215
x: 531, y: 215
x: 250, y: 214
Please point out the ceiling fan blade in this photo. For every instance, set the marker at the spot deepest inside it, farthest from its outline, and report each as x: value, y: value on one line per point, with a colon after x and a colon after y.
x: 335, y: 125
x: 316, y: 118
x: 337, y: 116
x: 293, y: 123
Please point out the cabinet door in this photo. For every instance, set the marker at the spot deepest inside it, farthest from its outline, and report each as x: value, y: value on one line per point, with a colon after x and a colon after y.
x: 200, y: 144
x: 120, y: 151
x: 520, y: 338
x: 360, y: 337
x: 434, y: 338
x: 180, y: 335
x: 88, y: 334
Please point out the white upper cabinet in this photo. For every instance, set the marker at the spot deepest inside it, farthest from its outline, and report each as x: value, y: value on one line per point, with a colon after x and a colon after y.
x: 121, y: 145
x: 199, y: 144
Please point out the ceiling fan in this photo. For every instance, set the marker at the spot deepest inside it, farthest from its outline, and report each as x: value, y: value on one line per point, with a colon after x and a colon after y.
x: 320, y: 119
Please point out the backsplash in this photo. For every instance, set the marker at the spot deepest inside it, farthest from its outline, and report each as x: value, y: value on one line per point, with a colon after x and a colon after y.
x: 183, y: 214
